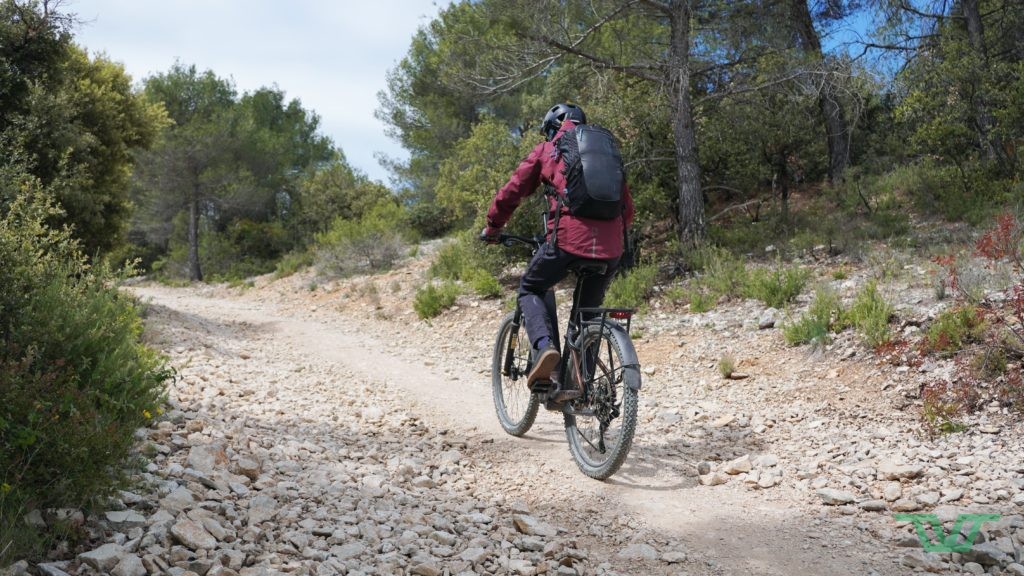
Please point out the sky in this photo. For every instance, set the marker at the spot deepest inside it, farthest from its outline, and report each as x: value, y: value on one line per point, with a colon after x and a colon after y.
x: 332, y: 55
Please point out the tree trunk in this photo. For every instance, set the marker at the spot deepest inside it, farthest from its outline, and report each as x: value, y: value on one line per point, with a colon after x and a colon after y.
x: 195, y: 274
x: 692, y: 224
x: 990, y: 143
x: 836, y: 131
x: 780, y: 184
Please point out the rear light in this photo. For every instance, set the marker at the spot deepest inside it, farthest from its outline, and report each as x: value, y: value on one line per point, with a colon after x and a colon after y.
x: 621, y: 314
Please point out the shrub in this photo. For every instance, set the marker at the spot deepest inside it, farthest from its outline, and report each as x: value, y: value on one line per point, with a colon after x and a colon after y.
x: 824, y: 316
x: 631, y: 290
x: 955, y: 327
x: 292, y: 262
x: 721, y: 274
x: 484, y: 283
x: 701, y: 301
x: 869, y: 315
x: 726, y: 365
x: 432, y: 299
x: 452, y: 260
x: 371, y: 243
x: 75, y: 381
x: 725, y: 274
x: 776, y: 287
x: 461, y: 257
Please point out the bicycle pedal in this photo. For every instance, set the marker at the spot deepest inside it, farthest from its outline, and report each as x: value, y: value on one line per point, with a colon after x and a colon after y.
x: 552, y: 406
x: 542, y: 387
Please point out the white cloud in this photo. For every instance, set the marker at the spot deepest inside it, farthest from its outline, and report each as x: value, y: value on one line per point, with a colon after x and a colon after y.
x: 331, y: 55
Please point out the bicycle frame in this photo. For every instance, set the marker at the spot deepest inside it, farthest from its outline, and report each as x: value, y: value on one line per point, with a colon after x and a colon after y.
x: 571, y: 365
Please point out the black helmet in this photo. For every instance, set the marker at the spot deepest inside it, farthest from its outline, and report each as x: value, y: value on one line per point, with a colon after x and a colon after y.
x: 559, y: 112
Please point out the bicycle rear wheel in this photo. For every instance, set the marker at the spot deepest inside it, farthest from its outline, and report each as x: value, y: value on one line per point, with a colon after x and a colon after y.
x: 515, y: 405
x: 600, y: 424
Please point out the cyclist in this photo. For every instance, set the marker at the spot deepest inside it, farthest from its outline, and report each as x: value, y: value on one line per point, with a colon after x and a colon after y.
x: 573, y: 239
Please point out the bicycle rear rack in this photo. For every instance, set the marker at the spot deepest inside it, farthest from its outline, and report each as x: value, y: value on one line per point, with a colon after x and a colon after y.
x: 614, y: 313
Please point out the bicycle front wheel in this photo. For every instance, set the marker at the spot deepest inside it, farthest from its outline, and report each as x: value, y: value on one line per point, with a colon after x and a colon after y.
x: 600, y: 424
x: 515, y: 405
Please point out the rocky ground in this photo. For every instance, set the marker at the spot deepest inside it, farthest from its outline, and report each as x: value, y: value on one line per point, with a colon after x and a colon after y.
x: 320, y: 428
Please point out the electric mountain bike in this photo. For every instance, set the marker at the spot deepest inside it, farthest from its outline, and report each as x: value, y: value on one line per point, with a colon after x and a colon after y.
x: 598, y: 358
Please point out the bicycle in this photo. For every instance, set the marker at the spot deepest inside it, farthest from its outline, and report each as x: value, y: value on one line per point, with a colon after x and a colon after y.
x: 599, y: 358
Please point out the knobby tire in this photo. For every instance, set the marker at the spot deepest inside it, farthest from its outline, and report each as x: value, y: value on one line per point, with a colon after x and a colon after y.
x: 515, y: 405
x: 616, y: 364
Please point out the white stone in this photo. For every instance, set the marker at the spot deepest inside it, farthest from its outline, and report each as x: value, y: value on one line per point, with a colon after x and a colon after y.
x: 130, y: 565
x: 103, y: 558
x: 193, y: 535
x: 638, y: 551
x: 833, y: 497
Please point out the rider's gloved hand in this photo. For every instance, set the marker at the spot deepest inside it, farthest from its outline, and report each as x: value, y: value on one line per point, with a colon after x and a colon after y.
x: 490, y: 235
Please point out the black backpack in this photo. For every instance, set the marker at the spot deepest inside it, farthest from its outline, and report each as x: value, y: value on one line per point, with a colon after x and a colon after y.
x: 594, y: 175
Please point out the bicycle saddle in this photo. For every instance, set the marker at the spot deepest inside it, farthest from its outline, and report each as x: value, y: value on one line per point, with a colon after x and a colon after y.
x: 584, y: 268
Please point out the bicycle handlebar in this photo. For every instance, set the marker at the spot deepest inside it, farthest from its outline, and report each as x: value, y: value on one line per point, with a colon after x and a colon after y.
x: 511, y: 239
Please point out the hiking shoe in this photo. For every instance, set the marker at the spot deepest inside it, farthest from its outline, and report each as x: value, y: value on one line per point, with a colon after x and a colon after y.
x: 547, y: 359
x: 564, y: 394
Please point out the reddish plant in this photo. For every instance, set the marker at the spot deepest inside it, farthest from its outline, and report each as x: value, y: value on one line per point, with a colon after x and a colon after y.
x: 1002, y: 242
x: 948, y: 263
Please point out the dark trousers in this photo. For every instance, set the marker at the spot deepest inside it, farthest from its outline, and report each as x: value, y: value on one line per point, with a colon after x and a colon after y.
x: 537, y: 299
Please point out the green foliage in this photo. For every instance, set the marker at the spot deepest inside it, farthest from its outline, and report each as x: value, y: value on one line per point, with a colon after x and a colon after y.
x: 869, y: 315
x: 292, y: 262
x: 701, y: 301
x: 942, y: 417
x: 330, y: 192
x: 75, y: 381
x: 477, y: 168
x: 484, y: 283
x: 246, y: 248
x: 823, y: 317
x: 776, y: 286
x: 631, y: 290
x: 465, y: 254
x: 429, y: 219
x: 73, y: 119
x: 724, y: 273
x: 726, y: 365
x: 374, y: 242
x: 954, y: 328
x: 233, y: 164
x: 433, y: 299
x: 954, y: 193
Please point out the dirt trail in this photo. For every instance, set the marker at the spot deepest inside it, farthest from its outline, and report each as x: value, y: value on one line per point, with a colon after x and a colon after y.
x: 732, y: 529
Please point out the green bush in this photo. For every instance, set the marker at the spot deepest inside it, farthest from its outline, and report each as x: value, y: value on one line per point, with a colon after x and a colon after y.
x: 823, y: 316
x: 954, y: 328
x: 432, y: 299
x: 292, y: 262
x: 869, y: 315
x: 632, y: 289
x: 452, y: 261
x: 429, y: 220
x: 720, y: 273
x: 75, y: 381
x: 460, y: 258
x: 484, y: 283
x: 701, y: 300
x: 372, y: 243
x: 775, y: 287
x: 724, y: 273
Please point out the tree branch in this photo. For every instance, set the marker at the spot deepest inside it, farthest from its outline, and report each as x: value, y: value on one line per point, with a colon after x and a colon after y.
x: 745, y: 89
x: 639, y: 71
x: 662, y: 7
x: 906, y: 6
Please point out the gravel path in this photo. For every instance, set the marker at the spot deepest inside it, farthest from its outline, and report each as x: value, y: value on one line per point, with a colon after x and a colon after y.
x: 354, y: 435
x: 320, y: 428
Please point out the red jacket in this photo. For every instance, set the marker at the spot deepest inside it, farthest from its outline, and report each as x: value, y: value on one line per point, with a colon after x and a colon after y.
x: 598, y: 239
